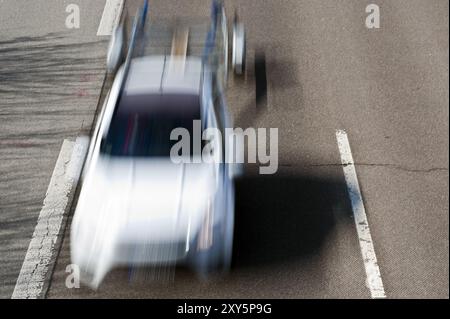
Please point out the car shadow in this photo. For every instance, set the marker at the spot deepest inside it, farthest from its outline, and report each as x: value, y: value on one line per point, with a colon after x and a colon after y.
x: 280, y: 218
x: 260, y: 77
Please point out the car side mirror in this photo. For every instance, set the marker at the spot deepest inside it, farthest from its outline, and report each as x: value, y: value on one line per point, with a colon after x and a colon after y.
x: 103, y: 144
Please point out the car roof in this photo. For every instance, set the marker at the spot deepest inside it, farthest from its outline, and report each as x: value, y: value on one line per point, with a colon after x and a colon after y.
x: 164, y: 74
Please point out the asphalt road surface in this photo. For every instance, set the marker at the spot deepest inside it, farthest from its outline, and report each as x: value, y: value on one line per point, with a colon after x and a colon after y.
x: 295, y: 235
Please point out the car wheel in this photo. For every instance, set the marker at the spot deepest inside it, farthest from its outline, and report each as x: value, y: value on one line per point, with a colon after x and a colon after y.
x: 115, y: 55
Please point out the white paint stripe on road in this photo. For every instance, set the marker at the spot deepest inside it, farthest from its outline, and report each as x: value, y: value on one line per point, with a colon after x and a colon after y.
x: 374, y: 281
x: 110, y: 17
x: 59, y: 194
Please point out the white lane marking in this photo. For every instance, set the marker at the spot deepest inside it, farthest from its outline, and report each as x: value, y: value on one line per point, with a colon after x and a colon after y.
x: 374, y: 282
x: 59, y: 194
x: 110, y: 17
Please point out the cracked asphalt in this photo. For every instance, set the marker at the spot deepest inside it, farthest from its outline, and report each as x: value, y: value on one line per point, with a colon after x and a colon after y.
x: 295, y: 235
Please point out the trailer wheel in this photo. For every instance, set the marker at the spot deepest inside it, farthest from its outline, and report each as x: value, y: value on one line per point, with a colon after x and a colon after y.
x: 239, y: 48
x: 115, y: 56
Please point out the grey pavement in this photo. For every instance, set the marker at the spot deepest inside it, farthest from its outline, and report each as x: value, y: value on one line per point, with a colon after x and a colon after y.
x: 295, y: 236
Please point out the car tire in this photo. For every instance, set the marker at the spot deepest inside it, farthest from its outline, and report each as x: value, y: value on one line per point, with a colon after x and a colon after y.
x: 115, y: 55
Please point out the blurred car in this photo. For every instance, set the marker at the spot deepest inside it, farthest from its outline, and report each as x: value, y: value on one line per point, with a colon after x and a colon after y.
x: 136, y: 205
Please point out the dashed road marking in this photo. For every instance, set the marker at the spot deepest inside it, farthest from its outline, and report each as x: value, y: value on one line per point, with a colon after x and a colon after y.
x: 38, y: 258
x: 374, y: 281
x: 110, y: 17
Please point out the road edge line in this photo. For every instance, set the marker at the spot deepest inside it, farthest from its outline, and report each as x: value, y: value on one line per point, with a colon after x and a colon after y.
x: 373, y: 280
x: 41, y: 250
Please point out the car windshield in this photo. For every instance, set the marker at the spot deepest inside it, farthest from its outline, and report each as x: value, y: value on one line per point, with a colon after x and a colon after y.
x: 142, y: 124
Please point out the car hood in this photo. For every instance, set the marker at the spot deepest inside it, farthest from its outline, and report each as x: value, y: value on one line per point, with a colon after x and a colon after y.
x: 145, y: 199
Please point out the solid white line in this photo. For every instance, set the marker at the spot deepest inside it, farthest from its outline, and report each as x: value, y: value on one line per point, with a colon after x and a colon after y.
x: 110, y: 17
x: 40, y: 252
x: 374, y: 282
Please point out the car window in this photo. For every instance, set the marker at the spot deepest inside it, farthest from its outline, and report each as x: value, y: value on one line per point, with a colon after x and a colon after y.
x: 141, y: 125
